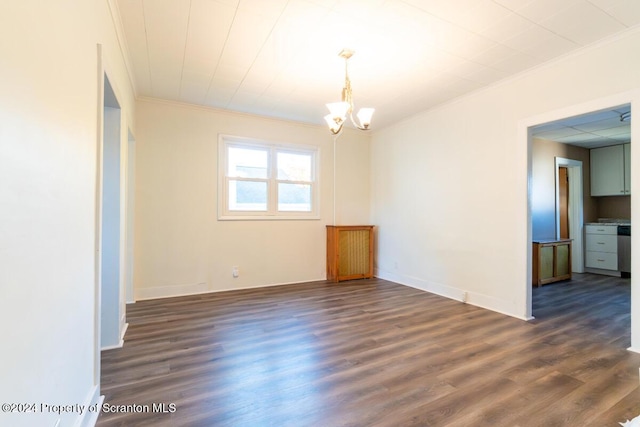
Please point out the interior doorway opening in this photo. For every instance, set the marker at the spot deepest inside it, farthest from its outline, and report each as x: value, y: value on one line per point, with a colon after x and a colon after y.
x: 564, y: 207
x: 111, y: 292
x: 569, y: 192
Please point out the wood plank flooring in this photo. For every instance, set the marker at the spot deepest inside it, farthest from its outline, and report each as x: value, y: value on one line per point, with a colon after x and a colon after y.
x: 375, y: 353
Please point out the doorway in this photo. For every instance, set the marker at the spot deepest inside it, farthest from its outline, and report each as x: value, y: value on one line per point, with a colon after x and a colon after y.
x: 111, y: 292
x: 570, y: 187
x: 563, y: 202
x: 587, y: 128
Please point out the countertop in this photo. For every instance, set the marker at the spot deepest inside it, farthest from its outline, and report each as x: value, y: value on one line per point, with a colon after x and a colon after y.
x: 610, y: 221
x: 543, y: 241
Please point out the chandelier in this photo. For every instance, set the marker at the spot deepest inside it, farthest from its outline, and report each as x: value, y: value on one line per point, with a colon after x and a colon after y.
x: 338, y: 111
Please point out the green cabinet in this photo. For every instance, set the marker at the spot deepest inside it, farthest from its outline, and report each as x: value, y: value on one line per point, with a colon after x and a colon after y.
x: 551, y: 261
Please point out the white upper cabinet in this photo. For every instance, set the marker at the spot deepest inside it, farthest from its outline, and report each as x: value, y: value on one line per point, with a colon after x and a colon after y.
x: 610, y: 168
x: 627, y: 168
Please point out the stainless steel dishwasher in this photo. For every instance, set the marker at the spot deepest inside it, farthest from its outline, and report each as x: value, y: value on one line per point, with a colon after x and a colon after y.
x: 624, y: 250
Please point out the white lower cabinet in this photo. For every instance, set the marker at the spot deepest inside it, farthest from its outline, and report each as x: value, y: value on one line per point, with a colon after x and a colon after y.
x: 601, y: 247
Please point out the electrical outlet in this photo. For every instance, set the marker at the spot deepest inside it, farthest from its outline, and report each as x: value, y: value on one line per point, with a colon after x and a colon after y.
x: 235, y: 271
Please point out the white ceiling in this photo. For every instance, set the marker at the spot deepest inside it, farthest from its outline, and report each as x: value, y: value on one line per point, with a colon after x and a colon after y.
x: 597, y: 129
x: 279, y: 58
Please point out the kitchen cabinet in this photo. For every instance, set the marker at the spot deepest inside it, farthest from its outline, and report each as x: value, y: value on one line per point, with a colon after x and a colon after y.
x: 610, y: 170
x: 601, y: 244
x: 627, y: 168
x: 349, y: 252
x: 551, y: 261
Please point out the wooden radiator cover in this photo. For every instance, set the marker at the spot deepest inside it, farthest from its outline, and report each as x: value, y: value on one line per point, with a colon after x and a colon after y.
x: 349, y: 252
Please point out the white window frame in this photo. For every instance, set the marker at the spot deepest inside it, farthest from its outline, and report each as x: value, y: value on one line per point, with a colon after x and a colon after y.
x: 272, y: 212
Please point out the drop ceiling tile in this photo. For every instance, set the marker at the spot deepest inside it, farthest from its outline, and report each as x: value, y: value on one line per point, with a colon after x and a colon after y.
x: 600, y: 124
x: 481, y: 15
x: 497, y: 53
x: 625, y: 11
x: 515, y: 63
x: 542, y: 44
x: 513, y: 5
x: 539, y: 42
x: 358, y: 10
x: 591, y: 144
x: 463, y: 85
x: 623, y: 132
x: 581, y: 137
x: 621, y: 138
x: 440, y: 60
x: 447, y: 35
x: 447, y: 10
x: 539, y: 10
x: 486, y: 75
x: 466, y: 68
x: 546, y: 127
x: 591, y: 117
x: 509, y: 27
x: 471, y: 45
x: 582, y: 23
x: 556, y: 134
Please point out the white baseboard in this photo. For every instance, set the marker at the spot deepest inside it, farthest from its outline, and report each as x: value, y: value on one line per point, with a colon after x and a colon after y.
x: 120, y: 342
x: 202, y: 288
x: 468, y: 297
x: 612, y: 273
x: 171, y: 291
x: 93, y: 403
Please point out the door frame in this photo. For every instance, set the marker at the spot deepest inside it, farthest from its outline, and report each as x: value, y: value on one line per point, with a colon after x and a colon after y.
x: 576, y: 216
x: 524, y: 147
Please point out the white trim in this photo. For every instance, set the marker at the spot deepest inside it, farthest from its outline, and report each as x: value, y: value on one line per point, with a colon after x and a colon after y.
x: 473, y: 298
x: 171, y: 291
x: 634, y: 349
x: 203, y: 288
x: 88, y: 418
x: 272, y: 181
x: 97, y: 328
x: 576, y: 203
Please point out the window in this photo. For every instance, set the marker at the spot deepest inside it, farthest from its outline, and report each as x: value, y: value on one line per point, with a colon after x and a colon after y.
x: 265, y: 180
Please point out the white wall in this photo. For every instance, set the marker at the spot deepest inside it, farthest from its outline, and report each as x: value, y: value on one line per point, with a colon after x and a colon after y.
x: 543, y: 185
x: 449, y: 191
x: 182, y: 248
x: 48, y: 140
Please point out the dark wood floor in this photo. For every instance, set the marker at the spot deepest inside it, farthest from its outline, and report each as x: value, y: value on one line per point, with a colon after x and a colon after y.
x: 375, y: 353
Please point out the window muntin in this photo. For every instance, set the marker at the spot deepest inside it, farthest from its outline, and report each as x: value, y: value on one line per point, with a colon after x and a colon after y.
x: 263, y: 180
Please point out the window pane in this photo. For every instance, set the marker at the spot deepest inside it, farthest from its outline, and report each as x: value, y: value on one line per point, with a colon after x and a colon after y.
x: 294, y: 197
x: 248, y: 162
x: 247, y: 196
x: 294, y: 166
